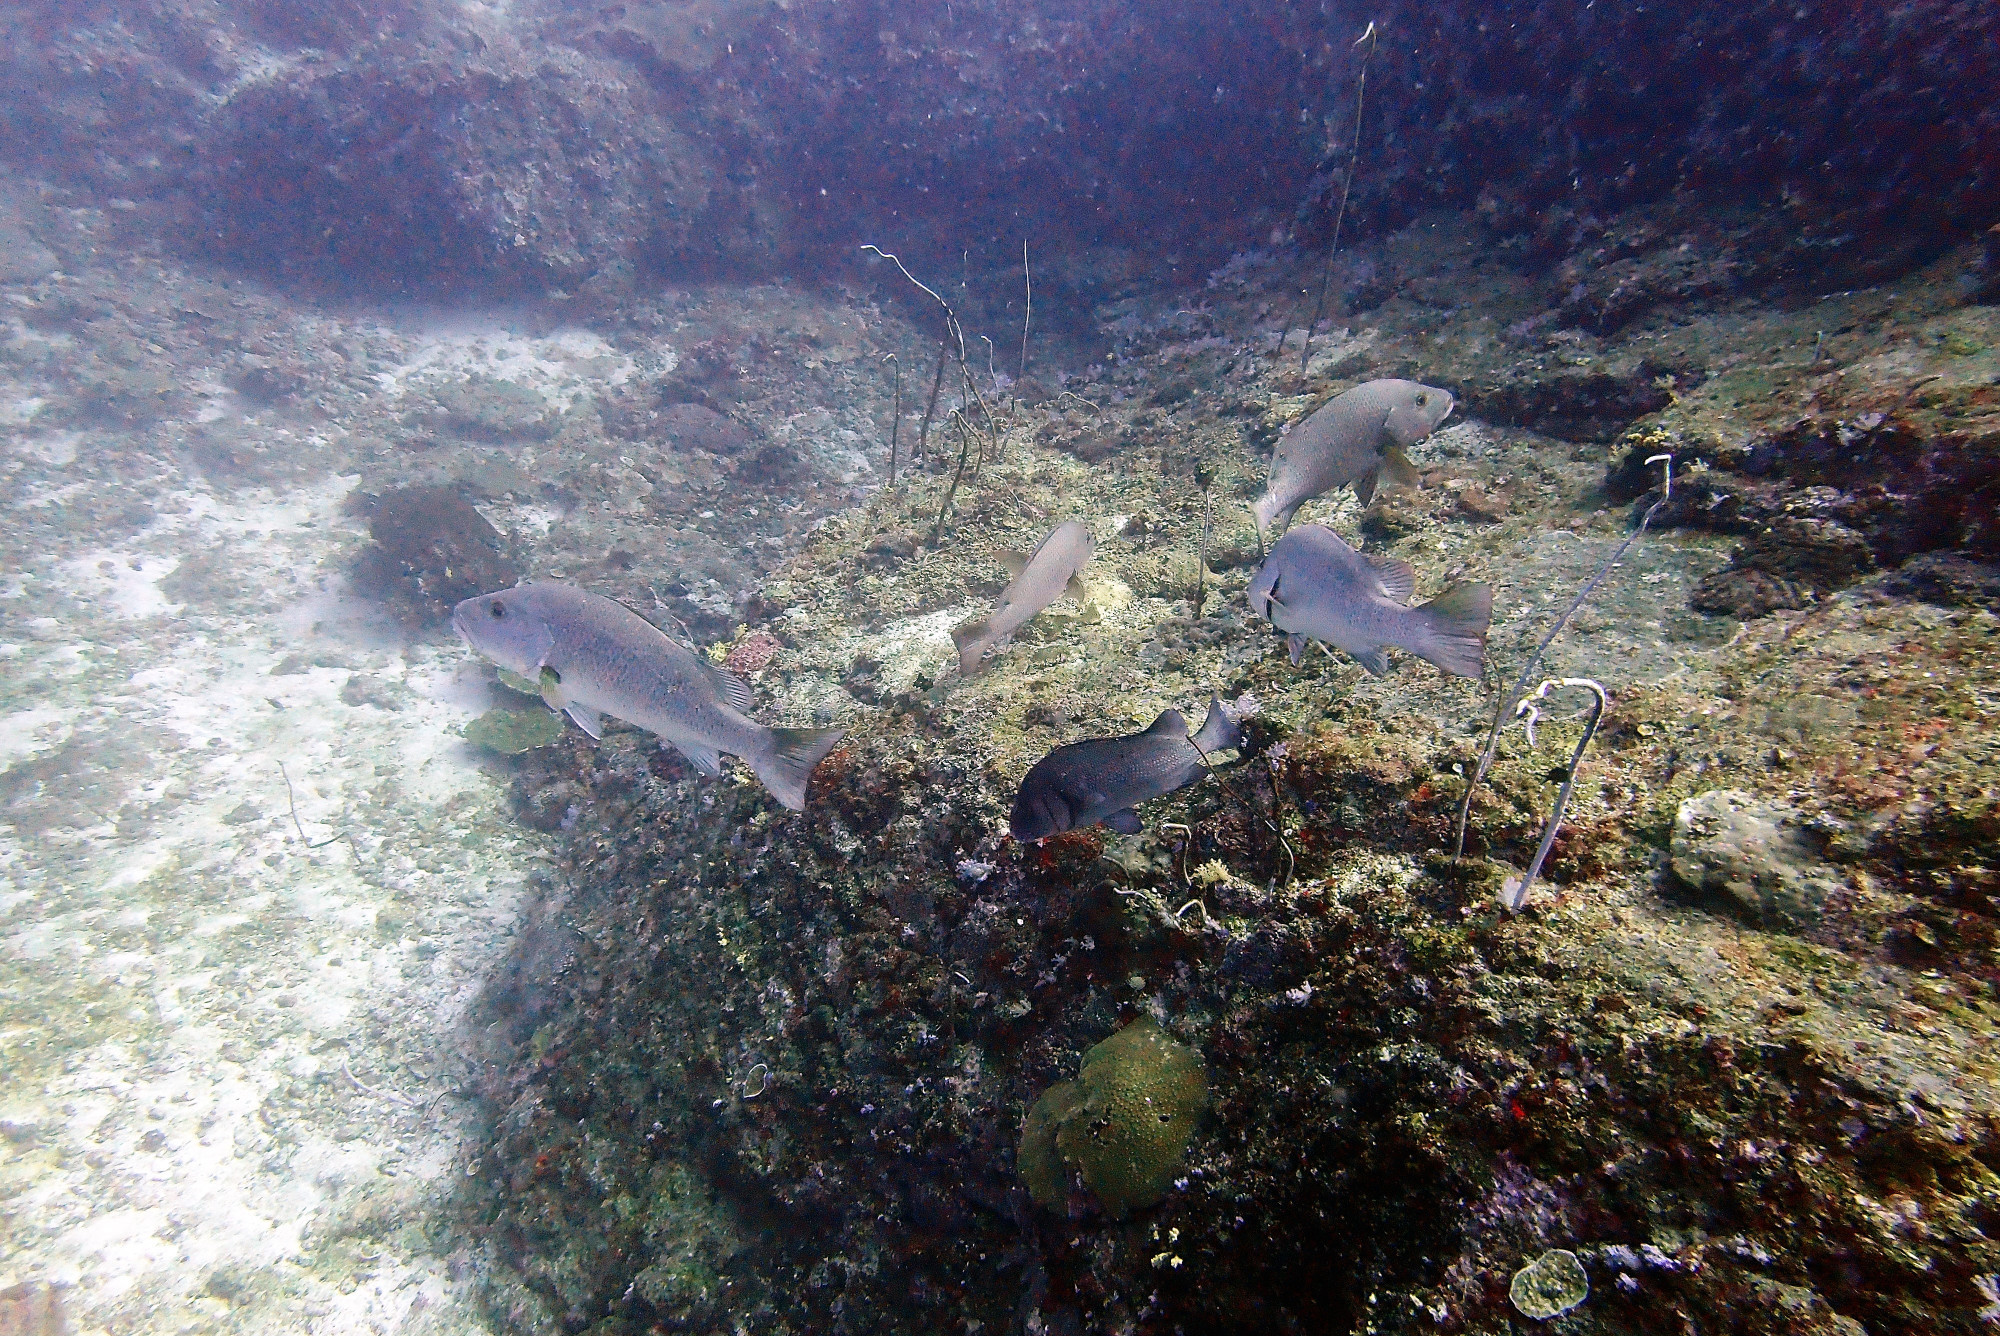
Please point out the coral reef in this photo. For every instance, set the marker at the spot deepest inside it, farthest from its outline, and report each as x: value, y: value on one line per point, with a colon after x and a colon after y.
x: 841, y: 1021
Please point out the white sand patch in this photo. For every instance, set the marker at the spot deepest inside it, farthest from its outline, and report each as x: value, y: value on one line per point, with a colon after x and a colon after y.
x: 560, y: 366
x: 26, y: 732
x: 221, y: 1038
x: 122, y: 583
x: 907, y: 647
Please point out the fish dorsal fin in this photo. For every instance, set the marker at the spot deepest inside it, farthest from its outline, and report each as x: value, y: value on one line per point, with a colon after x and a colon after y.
x: 1015, y: 562
x: 1170, y: 722
x: 731, y: 687
x: 1075, y: 587
x: 1397, y: 578
x: 1397, y: 472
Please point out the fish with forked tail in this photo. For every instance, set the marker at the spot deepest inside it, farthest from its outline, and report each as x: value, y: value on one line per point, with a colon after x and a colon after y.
x: 1357, y: 437
x: 592, y: 656
x: 1104, y: 779
x: 1313, y: 584
x: 1040, y: 578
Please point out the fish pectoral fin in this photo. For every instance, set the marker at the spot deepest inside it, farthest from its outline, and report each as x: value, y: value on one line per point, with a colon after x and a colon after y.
x: 586, y: 718
x: 549, y: 683
x: 1398, y: 579
x: 1396, y: 471
x: 1364, y: 487
x: 1074, y: 589
x: 704, y: 759
x: 728, y: 685
x: 1375, y: 660
x: 1125, y: 822
x: 1296, y: 643
x: 1015, y: 562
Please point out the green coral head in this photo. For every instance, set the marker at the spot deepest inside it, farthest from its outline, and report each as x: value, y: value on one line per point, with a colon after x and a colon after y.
x: 1122, y: 1126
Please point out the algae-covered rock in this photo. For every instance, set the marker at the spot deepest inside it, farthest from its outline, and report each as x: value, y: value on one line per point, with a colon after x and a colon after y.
x: 1550, y: 1285
x: 511, y: 732
x: 1754, y: 855
x: 1123, y: 1124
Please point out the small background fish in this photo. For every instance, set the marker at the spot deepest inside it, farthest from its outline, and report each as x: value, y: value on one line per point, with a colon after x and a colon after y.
x: 1040, y: 578
x: 1314, y: 584
x: 591, y: 656
x: 1357, y: 437
x: 1103, y: 779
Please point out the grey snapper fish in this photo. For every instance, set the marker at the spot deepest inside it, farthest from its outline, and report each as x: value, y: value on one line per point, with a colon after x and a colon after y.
x: 1040, y: 578
x: 1103, y: 779
x: 593, y: 657
x: 1313, y: 584
x: 1357, y: 437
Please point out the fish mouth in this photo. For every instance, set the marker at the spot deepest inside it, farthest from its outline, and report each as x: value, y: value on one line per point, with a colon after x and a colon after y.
x: 458, y: 625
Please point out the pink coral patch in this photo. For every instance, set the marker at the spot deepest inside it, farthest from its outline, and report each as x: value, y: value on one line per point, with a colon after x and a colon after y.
x: 750, y: 654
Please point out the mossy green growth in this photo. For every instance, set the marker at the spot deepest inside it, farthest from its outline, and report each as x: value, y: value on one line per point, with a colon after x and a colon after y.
x: 511, y: 732
x: 1550, y: 1285
x: 1123, y: 1124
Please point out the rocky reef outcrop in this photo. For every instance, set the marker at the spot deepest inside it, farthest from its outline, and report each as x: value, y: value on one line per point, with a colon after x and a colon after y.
x: 775, y: 1070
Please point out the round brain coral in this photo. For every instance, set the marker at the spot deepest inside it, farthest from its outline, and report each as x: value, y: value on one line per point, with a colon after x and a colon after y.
x: 1123, y: 1124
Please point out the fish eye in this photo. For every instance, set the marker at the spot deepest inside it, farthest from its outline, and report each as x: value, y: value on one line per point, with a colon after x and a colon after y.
x: 499, y: 611
x: 1423, y: 399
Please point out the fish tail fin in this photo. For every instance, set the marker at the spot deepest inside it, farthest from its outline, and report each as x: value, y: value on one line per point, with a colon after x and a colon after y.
x: 788, y: 762
x: 972, y: 639
x: 1218, y: 732
x: 1455, y: 625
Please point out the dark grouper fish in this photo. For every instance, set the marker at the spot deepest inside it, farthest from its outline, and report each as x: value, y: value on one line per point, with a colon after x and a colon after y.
x: 1313, y: 584
x: 593, y: 656
x: 1103, y: 779
x: 1039, y: 580
x: 1357, y: 437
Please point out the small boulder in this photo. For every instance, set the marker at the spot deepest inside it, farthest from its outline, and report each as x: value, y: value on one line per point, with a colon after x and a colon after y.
x: 1756, y: 856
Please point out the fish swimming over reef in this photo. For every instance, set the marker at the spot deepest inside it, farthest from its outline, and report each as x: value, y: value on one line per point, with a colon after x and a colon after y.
x: 1103, y: 779
x: 1040, y: 578
x: 1357, y: 437
x: 592, y: 656
x: 1313, y: 584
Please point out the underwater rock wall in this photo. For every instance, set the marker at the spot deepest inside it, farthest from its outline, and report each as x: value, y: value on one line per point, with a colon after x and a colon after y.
x: 559, y: 147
